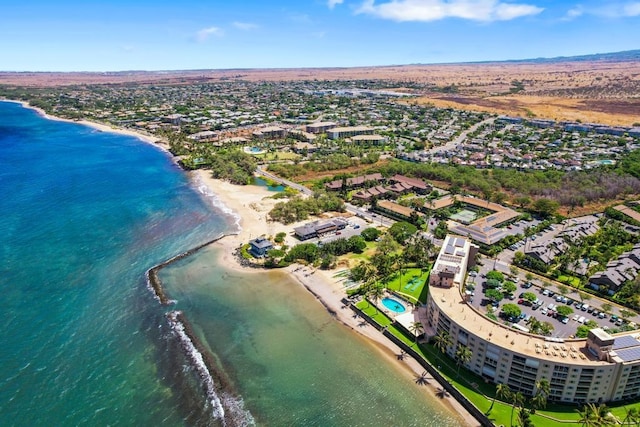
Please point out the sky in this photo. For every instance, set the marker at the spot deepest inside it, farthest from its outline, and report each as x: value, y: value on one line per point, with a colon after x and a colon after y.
x: 120, y: 35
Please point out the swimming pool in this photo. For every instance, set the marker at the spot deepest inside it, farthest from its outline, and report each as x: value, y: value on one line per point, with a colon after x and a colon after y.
x: 394, y: 305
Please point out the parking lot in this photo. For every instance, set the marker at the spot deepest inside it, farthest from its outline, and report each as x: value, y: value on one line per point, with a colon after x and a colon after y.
x: 544, y: 308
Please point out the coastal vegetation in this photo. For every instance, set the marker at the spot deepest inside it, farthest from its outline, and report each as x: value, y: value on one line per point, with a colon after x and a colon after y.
x: 231, y: 165
x: 298, y: 208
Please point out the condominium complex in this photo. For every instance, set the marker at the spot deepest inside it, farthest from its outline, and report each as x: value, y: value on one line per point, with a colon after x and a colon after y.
x: 346, y: 132
x: 601, y: 368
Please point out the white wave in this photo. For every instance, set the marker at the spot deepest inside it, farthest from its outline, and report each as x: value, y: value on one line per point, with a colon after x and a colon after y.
x: 242, y: 417
x: 206, y: 191
x: 150, y: 287
x: 197, y: 360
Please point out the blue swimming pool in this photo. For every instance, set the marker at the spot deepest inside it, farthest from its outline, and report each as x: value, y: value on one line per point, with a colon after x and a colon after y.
x: 394, y: 305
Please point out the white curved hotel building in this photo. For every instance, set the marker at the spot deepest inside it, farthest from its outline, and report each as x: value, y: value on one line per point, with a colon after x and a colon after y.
x: 601, y: 368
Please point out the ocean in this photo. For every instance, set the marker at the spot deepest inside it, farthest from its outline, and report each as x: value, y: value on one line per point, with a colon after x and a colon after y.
x: 84, y: 214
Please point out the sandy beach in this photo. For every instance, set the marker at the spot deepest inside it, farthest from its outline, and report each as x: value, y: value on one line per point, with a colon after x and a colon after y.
x: 251, y: 205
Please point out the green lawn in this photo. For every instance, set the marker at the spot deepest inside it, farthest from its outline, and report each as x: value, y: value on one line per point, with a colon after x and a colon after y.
x: 569, y: 280
x: 410, y: 284
x: 365, y: 255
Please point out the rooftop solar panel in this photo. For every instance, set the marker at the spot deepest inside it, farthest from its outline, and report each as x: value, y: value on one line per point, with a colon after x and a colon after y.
x: 625, y: 342
x: 448, y: 250
x: 629, y: 354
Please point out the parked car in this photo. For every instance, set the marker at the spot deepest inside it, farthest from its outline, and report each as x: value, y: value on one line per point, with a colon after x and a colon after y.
x: 527, y: 285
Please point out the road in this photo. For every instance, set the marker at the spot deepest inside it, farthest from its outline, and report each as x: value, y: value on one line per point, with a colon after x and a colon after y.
x: 375, y: 219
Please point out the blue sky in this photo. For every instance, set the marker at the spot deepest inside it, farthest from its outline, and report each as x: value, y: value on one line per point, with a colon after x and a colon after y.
x: 110, y: 35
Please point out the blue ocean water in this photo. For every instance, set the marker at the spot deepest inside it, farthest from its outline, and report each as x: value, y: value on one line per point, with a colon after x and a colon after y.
x: 83, y: 214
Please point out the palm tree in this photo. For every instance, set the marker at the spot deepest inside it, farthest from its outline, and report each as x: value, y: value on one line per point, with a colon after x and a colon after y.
x: 443, y: 341
x: 543, y: 389
x: 632, y: 416
x: 417, y: 329
x: 517, y: 399
x: 524, y: 419
x: 375, y: 293
x: 589, y: 415
x: 401, y: 355
x: 503, y: 392
x: 463, y: 356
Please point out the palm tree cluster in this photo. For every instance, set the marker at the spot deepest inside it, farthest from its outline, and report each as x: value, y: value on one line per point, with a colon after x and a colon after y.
x: 596, y: 416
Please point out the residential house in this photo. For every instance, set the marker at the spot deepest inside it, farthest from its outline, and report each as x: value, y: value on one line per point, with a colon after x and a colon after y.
x: 260, y: 246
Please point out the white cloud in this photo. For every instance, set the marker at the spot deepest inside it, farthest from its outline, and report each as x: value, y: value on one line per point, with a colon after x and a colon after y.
x: 245, y: 26
x: 433, y: 10
x: 608, y: 10
x: 631, y: 9
x: 333, y: 3
x: 574, y: 13
x: 204, y: 34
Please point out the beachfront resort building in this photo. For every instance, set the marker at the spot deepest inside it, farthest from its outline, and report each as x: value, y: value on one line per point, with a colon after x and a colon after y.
x: 600, y: 368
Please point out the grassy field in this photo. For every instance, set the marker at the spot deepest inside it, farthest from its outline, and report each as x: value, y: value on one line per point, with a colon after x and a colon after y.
x: 411, y: 284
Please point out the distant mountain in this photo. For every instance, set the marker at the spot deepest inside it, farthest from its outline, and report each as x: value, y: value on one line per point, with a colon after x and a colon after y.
x: 624, y: 56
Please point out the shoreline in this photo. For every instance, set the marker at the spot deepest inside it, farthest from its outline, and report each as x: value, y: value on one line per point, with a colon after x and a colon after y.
x: 250, y: 205
x: 150, y: 139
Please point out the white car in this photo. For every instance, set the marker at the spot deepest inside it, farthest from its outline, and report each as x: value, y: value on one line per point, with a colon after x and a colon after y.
x: 581, y: 319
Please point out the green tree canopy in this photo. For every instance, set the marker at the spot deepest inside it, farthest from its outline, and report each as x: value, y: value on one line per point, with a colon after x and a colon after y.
x: 494, y: 274
x: 564, y: 310
x: 494, y: 294
x: 370, y: 234
x: 402, y: 230
x: 511, y: 310
x: 509, y: 287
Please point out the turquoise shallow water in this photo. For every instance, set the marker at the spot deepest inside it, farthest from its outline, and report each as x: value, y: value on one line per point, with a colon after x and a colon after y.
x: 83, y: 215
